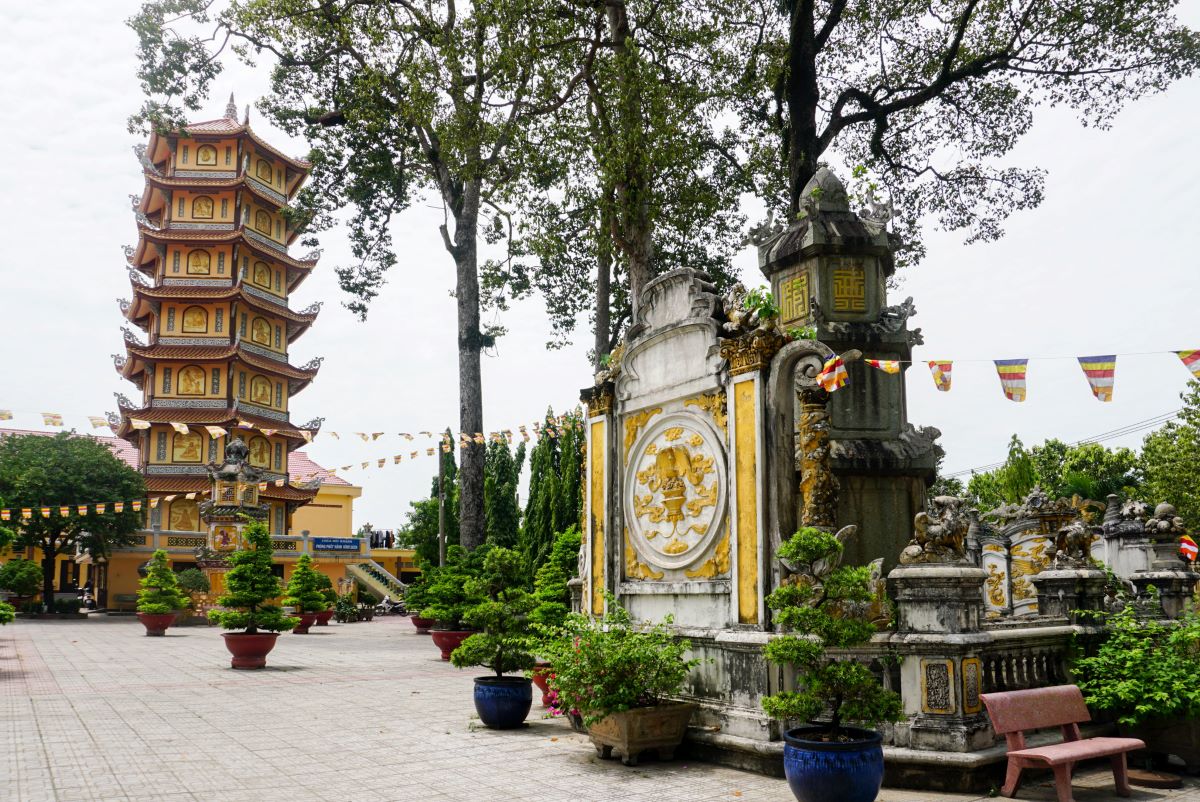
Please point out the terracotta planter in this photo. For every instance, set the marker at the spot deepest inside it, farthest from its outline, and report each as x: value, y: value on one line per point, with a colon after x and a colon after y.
x: 449, y: 639
x: 632, y: 732
x: 541, y: 678
x: 249, y: 650
x: 306, y: 621
x: 156, y: 624
x: 422, y: 624
x: 323, y: 617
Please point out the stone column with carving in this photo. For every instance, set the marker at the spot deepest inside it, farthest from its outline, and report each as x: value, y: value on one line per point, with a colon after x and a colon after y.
x: 1072, y: 584
x: 1169, y: 575
x: 939, y: 612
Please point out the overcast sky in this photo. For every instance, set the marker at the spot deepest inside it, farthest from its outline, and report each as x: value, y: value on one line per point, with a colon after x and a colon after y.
x: 1107, y: 264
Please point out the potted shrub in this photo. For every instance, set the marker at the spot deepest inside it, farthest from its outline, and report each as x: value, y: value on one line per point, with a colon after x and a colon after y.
x: 1144, y: 674
x: 417, y: 599
x: 250, y: 586
x: 618, y: 678
x: 827, y: 761
x: 194, y: 583
x: 553, y: 597
x: 329, y: 595
x: 500, y: 613
x: 159, y: 596
x: 448, y: 601
x: 22, y: 578
x: 304, y: 593
x: 345, y: 610
x: 366, y: 604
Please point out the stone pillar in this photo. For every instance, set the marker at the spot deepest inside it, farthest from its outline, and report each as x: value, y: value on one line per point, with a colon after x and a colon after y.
x: 939, y: 609
x: 594, y: 561
x: 1061, y: 592
x: 1175, y: 588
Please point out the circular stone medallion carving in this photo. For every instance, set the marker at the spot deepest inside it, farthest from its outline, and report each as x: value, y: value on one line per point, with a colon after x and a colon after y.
x: 675, y: 490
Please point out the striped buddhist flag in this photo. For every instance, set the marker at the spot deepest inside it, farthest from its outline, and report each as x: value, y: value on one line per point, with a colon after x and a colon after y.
x: 182, y: 428
x: 1187, y: 547
x: 886, y: 365
x: 429, y: 451
x: 446, y: 447
x: 307, y: 435
x: 1012, y: 377
x: 190, y: 496
x: 940, y: 369
x: 64, y: 511
x: 26, y: 513
x: 262, y: 487
x: 214, y: 431
x: 1191, y: 360
x: 366, y: 465
x: 52, y: 419
x: 137, y: 505
x: 347, y: 467
x: 137, y: 423
x: 5, y: 414
x: 833, y: 375
x: 279, y: 483
x: 97, y: 423
x: 397, y: 459
x: 1100, y: 372
x: 335, y: 436
x: 5, y: 515
x: 45, y: 512
x: 382, y: 462
x: 406, y: 436
x: 268, y: 432
x: 365, y: 437
x: 101, y: 508
x: 153, y: 503
x: 118, y: 507
x: 82, y: 509
x: 427, y: 434
x: 413, y: 454
x: 376, y: 435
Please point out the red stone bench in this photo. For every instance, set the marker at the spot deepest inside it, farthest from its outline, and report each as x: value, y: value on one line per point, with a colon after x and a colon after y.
x: 1057, y: 706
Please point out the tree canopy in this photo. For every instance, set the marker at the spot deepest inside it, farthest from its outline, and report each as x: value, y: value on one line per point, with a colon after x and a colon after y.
x: 1170, y: 460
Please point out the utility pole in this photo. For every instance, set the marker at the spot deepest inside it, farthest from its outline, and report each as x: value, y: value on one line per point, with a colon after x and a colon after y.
x: 442, y: 501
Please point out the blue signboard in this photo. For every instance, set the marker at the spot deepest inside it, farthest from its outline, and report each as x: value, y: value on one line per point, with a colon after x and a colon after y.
x: 335, y: 544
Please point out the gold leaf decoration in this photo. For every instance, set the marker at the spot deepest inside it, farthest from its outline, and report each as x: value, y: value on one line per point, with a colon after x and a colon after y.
x: 635, y: 569
x: 676, y: 546
x: 716, y: 565
x: 673, y: 434
x: 715, y: 405
x: 634, y: 423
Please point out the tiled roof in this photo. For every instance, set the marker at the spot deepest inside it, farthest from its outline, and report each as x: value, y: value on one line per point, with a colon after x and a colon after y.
x: 214, y: 237
x: 300, y: 465
x: 204, y: 292
x: 240, y: 182
x: 190, y: 353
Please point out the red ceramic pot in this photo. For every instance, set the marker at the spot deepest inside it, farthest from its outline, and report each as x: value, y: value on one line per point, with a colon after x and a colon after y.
x: 249, y: 650
x: 422, y: 624
x: 449, y: 639
x: 323, y: 617
x: 156, y: 624
x: 541, y: 678
x: 306, y: 621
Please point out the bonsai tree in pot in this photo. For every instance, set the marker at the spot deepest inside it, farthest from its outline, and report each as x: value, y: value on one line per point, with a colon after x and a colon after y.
x: 416, y: 599
x: 618, y: 677
x: 250, y: 586
x: 304, y: 593
x: 825, y: 606
x: 553, y: 597
x: 448, y: 601
x: 194, y: 583
x: 500, y: 611
x: 159, y: 596
x: 1144, y: 674
x: 22, y: 578
x: 325, y: 584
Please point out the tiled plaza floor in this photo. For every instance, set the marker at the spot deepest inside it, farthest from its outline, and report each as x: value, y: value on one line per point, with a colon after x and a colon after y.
x: 93, y: 710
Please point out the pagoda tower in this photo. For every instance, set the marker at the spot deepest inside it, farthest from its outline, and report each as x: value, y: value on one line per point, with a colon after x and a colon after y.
x: 211, y: 279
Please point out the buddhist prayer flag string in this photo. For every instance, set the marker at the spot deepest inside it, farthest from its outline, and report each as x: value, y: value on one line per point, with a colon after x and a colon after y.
x: 886, y: 365
x: 5, y: 414
x: 1191, y: 360
x: 1100, y: 372
x: 97, y: 423
x: 833, y: 375
x: 940, y: 368
x: 1188, y: 548
x: 1012, y: 377
x: 52, y: 419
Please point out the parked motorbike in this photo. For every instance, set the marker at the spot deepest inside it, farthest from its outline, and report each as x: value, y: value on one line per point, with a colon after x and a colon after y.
x: 391, y: 607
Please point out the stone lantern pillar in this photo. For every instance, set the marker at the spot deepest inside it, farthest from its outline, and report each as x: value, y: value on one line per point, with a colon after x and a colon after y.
x: 1173, y: 578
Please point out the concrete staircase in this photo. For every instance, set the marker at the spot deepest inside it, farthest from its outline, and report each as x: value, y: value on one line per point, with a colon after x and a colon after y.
x: 377, y: 579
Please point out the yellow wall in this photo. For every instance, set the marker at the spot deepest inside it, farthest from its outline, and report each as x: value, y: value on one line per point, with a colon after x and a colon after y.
x: 330, y: 514
x: 264, y: 275
x: 245, y: 388
x: 258, y: 218
x: 276, y: 168
x: 183, y: 320
x: 187, y: 155
x: 211, y: 261
x: 203, y: 207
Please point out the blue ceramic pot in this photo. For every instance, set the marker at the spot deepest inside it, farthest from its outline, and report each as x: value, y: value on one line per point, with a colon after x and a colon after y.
x: 503, y: 702
x: 819, y: 771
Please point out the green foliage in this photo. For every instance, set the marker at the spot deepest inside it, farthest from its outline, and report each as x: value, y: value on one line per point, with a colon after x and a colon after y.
x: 762, y: 301
x: 158, y: 591
x: 1145, y: 669
x: 802, y: 332
x: 250, y: 587
x: 500, y: 611
x: 1088, y: 470
x: 555, y: 487
x: 7, y: 613
x: 446, y: 587
x: 1170, y: 459
x: 193, y: 581
x: 73, y: 604
x: 344, y: 609
x: 420, y: 532
x: 72, y: 470
x: 818, y: 618
x: 21, y: 577
x: 550, y: 583
x: 304, y: 587
x: 608, y: 665
x: 501, y: 508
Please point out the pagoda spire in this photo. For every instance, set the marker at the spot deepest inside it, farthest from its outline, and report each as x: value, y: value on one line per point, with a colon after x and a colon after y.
x: 231, y: 109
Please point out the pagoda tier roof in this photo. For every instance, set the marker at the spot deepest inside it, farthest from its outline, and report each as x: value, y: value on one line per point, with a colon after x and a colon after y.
x: 141, y: 255
x: 156, y: 183
x: 198, y: 484
x: 133, y: 365
x: 222, y: 128
x: 227, y: 417
x: 145, y: 297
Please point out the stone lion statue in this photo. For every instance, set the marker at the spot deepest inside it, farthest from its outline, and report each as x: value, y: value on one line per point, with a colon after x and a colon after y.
x: 1073, y: 544
x: 939, y: 533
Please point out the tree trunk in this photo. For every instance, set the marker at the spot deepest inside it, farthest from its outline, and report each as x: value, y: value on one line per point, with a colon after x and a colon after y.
x: 470, y: 381
x: 603, y: 287
x: 48, y: 555
x: 803, y: 94
x: 633, y: 180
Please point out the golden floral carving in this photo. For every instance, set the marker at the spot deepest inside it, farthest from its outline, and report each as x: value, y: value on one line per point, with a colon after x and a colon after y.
x: 818, y: 485
x: 633, y: 425
x: 717, y: 565
x: 673, y: 434
x: 715, y: 405
x: 673, y: 468
x: 599, y: 400
x: 705, y: 497
x: 1027, y: 563
x: 635, y: 569
x: 676, y: 546
x: 752, y: 351
x: 995, y: 586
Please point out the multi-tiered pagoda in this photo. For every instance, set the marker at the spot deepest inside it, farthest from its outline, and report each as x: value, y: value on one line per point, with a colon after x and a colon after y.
x: 211, y: 278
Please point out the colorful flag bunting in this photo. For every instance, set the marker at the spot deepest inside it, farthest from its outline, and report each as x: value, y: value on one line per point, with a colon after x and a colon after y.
x: 366, y: 465
x: 182, y: 428
x: 64, y: 511
x: 214, y: 431
x: 365, y: 437
x: 376, y: 435
x: 101, y: 509
x: 1100, y: 372
x: 1012, y: 377
x: 396, y: 459
x: 26, y: 513
x: 153, y: 503
x: 245, y: 424
x: 83, y: 509
x: 833, y: 375
x: 97, y: 422
x: 119, y: 507
x: 137, y: 505
x: 886, y: 365
x: 52, y: 419
x: 382, y: 462
x: 5, y: 414
x: 413, y: 454
x: 1188, y: 548
x: 429, y: 451
x: 268, y: 432
x: 1191, y: 361
x: 406, y: 436
x: 940, y: 369
x: 5, y: 515
x: 138, y: 423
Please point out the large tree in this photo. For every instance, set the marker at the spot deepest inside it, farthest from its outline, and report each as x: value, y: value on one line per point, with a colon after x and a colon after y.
x: 400, y: 101
x: 930, y: 97
x: 555, y: 486
x: 1170, y: 460
x: 67, y: 470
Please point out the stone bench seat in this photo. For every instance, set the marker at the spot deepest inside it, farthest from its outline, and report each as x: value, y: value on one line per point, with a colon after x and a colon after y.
x: 1014, y: 712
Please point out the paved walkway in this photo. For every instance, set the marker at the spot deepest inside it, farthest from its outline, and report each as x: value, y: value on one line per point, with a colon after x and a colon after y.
x: 93, y: 710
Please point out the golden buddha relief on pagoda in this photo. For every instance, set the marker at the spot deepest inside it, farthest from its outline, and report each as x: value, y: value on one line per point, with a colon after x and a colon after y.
x: 191, y: 380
